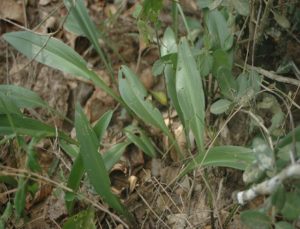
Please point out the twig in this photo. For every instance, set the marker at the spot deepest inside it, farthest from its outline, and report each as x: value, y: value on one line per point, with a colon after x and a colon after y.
x: 255, y: 118
x: 273, y: 76
x: 268, y: 186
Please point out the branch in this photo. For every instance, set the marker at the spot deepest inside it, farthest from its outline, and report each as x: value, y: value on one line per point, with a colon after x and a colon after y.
x: 273, y: 76
x: 268, y: 186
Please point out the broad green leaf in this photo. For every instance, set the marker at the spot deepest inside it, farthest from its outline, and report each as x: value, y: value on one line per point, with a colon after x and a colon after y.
x: 20, y: 197
x: 71, y: 150
x: 205, y: 63
x: 49, y: 51
x: 20, y: 125
x: 291, y: 209
x: 158, y: 67
x: 139, y: 138
x: 278, y: 198
x: 236, y: 157
x: 217, y: 28
x: 190, y: 93
x: 134, y: 95
x: 113, y: 155
x: 83, y: 219
x: 227, y: 84
x: 74, y: 179
x: 94, y: 164
x: 102, y: 124
x: 255, y: 219
x: 284, y: 152
x: 281, y: 20
x: 221, y: 59
x: 283, y: 225
x: 170, y: 76
x: 85, y: 26
x: 220, y: 106
x: 54, y: 53
x: 110, y: 158
x: 204, y: 3
x: 22, y: 97
x: 289, y: 137
x: 168, y: 43
x: 151, y: 9
x: 7, y: 105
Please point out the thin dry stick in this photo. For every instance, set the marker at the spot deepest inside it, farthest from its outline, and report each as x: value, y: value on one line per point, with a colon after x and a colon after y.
x: 154, y: 213
x: 253, y: 116
x: 255, y: 33
x: 274, y: 76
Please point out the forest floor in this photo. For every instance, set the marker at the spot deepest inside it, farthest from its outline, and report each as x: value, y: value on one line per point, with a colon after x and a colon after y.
x: 200, y: 200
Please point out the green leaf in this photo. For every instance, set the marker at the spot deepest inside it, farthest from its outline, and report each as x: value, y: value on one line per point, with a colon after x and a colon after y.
x: 190, y: 92
x: 158, y: 67
x: 281, y: 20
x: 74, y: 179
x: 288, y: 139
x: 139, y: 138
x: 217, y: 28
x: 20, y: 125
x: 291, y: 209
x: 49, y: 51
x: 170, y: 77
x: 151, y: 9
x: 85, y: 26
x: 168, y: 43
x: 283, y: 225
x: 255, y: 219
x: 113, y: 155
x: 220, y: 106
x: 134, y: 95
x: 84, y: 219
x: 236, y: 157
x: 7, y: 105
x: 22, y: 97
x: 102, y: 124
x: 205, y: 63
x: 227, y: 84
x: 71, y: 150
x: 278, y: 198
x: 54, y: 53
x: 110, y: 158
x: 221, y: 59
x: 204, y: 3
x: 94, y: 164
x: 20, y: 197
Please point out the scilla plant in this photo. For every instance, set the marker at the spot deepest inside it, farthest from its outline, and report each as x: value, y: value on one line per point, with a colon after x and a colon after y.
x: 184, y: 64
